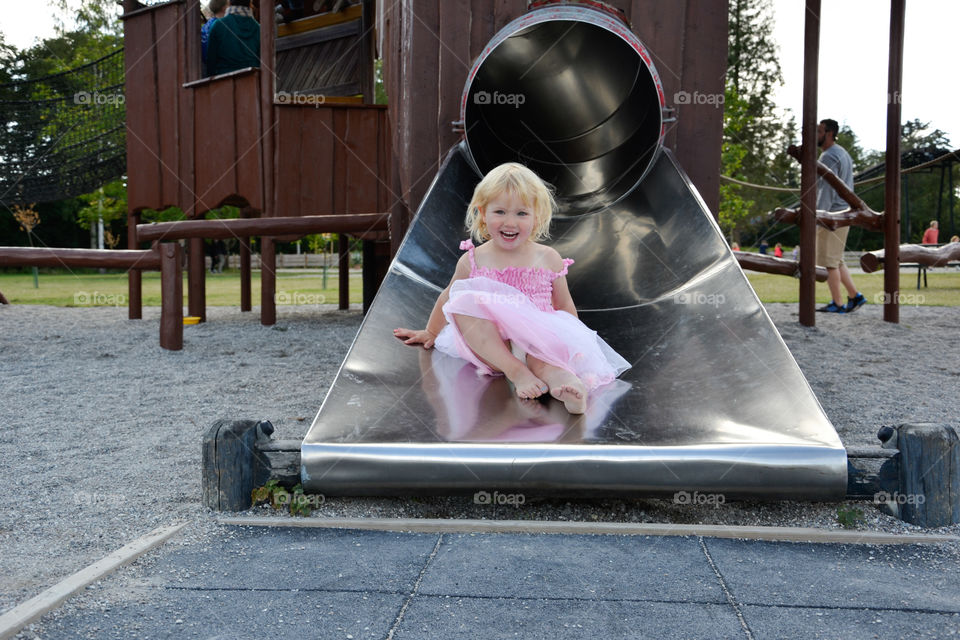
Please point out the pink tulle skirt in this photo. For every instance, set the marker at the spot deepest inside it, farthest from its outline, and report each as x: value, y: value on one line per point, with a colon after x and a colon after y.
x: 556, y: 337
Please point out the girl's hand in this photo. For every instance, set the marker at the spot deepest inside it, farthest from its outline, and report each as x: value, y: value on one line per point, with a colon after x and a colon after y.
x: 414, y: 337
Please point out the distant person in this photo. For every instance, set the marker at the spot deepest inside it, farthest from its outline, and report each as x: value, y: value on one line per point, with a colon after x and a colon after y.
x: 219, y: 256
x: 778, y: 251
x: 955, y: 239
x: 763, y: 247
x: 932, y: 233
x: 216, y: 9
x: 735, y: 246
x: 796, y: 252
x: 830, y: 244
x: 234, y: 40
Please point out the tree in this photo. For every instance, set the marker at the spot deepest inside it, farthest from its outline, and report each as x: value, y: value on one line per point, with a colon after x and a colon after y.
x: 755, y: 136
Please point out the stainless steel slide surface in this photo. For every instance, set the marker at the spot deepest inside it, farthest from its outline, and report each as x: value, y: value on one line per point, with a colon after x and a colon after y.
x: 714, y: 401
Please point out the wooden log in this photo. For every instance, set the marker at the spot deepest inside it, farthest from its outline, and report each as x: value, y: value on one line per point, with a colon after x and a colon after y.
x: 927, y: 256
x: 868, y: 219
x: 244, y: 227
x: 3, y: 299
x: 772, y: 264
x: 929, y: 491
x: 232, y: 464
x: 171, y: 296
x: 92, y: 258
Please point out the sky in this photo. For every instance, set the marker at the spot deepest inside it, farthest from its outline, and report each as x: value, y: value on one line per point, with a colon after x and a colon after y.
x: 854, y: 38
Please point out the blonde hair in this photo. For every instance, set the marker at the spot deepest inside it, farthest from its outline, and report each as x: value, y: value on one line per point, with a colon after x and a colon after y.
x: 527, y: 185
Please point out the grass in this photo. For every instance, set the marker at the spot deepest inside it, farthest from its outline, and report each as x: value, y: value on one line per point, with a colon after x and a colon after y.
x: 63, y: 289
x: 943, y: 288
x: 306, y: 288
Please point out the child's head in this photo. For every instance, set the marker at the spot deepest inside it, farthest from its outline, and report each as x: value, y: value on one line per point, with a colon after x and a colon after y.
x: 522, y: 182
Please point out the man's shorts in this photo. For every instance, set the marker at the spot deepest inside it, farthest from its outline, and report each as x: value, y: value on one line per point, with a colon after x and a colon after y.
x: 830, y: 246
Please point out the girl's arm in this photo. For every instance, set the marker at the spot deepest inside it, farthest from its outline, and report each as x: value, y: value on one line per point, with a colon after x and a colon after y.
x: 437, y: 320
x: 562, y: 300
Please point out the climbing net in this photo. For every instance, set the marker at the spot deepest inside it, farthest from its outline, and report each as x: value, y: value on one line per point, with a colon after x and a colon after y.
x: 64, y: 134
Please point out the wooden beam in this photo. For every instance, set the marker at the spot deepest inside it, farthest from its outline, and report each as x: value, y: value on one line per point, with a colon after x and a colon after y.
x: 245, y: 227
x: 808, y: 174
x: 927, y: 256
x: 772, y: 264
x: 891, y: 229
x: 91, y: 258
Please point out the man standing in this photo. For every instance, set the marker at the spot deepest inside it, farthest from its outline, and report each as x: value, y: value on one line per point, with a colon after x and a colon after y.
x: 931, y: 235
x: 234, y: 41
x: 830, y: 244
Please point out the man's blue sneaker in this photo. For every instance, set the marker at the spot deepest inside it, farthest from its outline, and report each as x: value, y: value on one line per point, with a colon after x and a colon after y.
x: 833, y: 307
x: 854, y: 303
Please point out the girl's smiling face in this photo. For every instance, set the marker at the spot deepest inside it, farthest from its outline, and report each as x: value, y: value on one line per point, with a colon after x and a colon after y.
x: 509, y: 222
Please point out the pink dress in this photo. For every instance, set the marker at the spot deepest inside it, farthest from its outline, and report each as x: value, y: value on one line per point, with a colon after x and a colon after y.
x: 519, y: 301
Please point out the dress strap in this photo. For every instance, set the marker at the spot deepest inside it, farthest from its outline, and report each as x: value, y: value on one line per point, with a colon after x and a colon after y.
x: 566, y: 263
x: 467, y: 245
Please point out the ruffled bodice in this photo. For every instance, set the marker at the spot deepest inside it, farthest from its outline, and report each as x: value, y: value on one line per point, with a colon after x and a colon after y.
x: 535, y: 282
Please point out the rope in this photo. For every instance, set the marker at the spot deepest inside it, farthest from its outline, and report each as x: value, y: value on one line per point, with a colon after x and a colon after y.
x: 924, y: 165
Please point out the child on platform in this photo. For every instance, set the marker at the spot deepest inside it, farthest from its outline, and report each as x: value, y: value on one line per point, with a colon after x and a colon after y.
x: 507, y: 308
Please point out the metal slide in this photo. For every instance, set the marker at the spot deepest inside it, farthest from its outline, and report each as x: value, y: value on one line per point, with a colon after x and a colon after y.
x: 714, y: 402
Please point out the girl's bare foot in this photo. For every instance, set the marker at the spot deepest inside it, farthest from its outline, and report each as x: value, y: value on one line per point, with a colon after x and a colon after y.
x: 526, y: 384
x: 565, y: 387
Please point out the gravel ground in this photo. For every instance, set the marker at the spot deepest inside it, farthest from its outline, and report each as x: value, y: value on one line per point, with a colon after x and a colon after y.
x: 101, y: 428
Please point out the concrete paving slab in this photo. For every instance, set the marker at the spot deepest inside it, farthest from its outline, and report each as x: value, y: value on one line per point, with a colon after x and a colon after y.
x: 301, y: 559
x: 235, y: 615
x: 888, y: 577
x: 585, y: 567
x: 440, y: 618
x: 791, y: 622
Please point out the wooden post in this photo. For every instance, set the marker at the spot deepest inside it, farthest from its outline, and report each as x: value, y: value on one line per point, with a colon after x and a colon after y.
x: 343, y: 248
x: 808, y: 165
x: 171, y: 296
x: 929, y: 475
x: 134, y: 276
x: 268, y: 282
x: 369, y: 273
x: 891, y: 209
x: 245, y: 291
x: 232, y: 466
x: 196, y: 278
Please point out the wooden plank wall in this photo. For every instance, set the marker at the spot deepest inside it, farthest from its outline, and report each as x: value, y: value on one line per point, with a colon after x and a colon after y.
x: 200, y: 146
x: 430, y: 45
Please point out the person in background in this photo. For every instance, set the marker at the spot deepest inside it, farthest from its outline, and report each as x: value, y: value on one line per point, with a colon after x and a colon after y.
x: 234, y: 40
x: 830, y: 244
x: 932, y: 233
x: 216, y: 10
x: 763, y: 247
x: 778, y: 251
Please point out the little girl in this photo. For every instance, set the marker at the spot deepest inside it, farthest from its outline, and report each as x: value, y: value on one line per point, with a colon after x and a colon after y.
x: 507, y: 308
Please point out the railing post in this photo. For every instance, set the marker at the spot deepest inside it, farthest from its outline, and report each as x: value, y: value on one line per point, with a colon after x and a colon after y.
x: 891, y: 205
x: 171, y: 296
x: 134, y: 278
x: 268, y: 281
x: 808, y: 165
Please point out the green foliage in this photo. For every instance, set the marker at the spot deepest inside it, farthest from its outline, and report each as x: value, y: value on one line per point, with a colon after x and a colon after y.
x: 379, y: 89
x: 850, y: 517
x: 109, y: 202
x: 755, y: 137
x: 294, y: 501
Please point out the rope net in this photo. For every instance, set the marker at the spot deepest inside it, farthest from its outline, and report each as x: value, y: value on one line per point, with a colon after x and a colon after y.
x: 64, y: 134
